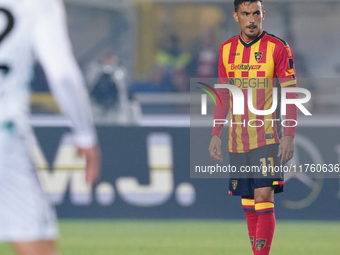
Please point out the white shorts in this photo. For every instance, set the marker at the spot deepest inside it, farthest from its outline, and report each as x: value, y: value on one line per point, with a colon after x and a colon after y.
x: 25, y: 213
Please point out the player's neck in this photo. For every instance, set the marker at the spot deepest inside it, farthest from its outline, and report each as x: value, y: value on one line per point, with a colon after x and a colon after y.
x: 247, y: 39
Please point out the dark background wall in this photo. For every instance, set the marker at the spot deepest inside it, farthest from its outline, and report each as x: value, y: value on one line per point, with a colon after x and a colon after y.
x: 146, y: 174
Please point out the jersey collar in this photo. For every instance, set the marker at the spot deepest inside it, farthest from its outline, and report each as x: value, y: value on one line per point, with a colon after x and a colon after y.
x: 249, y: 44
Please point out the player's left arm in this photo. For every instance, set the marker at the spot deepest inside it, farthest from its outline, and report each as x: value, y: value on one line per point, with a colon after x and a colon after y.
x: 52, y: 48
x: 285, y: 71
x: 221, y: 111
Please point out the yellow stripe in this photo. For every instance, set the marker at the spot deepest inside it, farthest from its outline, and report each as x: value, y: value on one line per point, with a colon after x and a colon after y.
x: 226, y: 52
x: 288, y: 83
x: 270, y: 66
x: 275, y: 183
x: 268, y: 125
x: 248, y: 201
x: 252, y: 131
x: 290, y: 72
x: 265, y: 205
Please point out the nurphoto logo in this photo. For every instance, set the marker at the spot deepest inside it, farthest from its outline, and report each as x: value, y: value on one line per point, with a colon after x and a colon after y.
x: 239, y: 104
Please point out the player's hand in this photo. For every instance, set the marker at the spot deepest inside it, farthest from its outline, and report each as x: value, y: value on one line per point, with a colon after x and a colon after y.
x: 286, y: 149
x: 215, y: 148
x: 93, y: 162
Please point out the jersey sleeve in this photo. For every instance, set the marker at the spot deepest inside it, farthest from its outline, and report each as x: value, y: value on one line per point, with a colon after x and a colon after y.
x: 53, y: 50
x: 284, y: 65
x: 285, y: 71
x: 292, y: 113
x: 221, y: 110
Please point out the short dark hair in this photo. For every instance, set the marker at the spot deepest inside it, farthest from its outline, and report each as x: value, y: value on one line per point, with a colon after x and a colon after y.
x: 238, y: 2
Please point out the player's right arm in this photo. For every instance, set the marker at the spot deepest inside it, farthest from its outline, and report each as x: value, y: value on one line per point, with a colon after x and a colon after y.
x: 285, y: 71
x: 221, y: 110
x: 53, y: 50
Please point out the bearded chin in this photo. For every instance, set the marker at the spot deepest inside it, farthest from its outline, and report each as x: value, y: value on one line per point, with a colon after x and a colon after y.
x: 251, y: 36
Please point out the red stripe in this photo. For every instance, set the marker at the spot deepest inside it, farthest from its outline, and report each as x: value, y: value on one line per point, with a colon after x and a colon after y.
x: 233, y: 49
x: 231, y: 60
x: 276, y: 135
x: 263, y: 49
x: 231, y: 74
x: 245, y: 74
x: 273, y: 124
x: 274, y: 116
x: 246, y: 55
x: 233, y: 133
x: 261, y: 95
x: 234, y: 137
x: 245, y: 134
x: 261, y: 74
x: 260, y: 101
x: 248, y: 206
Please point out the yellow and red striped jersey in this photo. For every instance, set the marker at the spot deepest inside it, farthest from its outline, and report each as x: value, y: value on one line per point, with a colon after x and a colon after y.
x: 254, y: 65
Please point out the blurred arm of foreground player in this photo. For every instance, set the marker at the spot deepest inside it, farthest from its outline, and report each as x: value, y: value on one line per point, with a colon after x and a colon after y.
x: 53, y: 49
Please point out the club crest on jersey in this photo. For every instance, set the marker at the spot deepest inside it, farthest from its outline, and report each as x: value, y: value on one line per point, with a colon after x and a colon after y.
x: 234, y: 184
x: 260, y: 244
x: 251, y: 238
x: 258, y: 56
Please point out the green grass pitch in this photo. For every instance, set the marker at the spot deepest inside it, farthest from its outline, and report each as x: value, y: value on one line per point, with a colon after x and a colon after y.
x: 189, y: 237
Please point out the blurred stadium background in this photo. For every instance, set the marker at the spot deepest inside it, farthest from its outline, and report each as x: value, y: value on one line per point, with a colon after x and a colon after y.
x: 137, y: 57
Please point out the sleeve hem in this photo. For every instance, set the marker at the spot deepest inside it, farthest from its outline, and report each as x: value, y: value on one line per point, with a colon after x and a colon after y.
x: 85, y: 140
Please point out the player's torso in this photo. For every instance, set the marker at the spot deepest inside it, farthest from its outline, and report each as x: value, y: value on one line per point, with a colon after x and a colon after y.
x: 17, y: 27
x: 252, y: 65
x: 249, y: 60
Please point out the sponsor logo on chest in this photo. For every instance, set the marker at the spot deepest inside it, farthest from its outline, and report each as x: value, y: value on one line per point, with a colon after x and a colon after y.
x: 245, y: 67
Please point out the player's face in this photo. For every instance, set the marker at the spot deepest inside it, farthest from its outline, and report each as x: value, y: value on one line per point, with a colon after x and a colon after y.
x: 250, y: 17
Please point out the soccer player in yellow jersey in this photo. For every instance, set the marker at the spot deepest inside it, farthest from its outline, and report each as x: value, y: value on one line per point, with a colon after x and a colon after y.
x: 255, y: 59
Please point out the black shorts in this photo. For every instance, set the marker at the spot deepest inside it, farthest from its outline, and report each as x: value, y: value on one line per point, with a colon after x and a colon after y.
x: 242, y: 184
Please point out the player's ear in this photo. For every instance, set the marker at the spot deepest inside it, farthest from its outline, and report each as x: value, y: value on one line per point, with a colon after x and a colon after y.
x: 263, y: 14
x: 235, y: 16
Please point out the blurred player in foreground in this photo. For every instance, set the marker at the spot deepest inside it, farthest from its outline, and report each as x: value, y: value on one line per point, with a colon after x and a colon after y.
x: 253, y: 59
x: 36, y: 30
